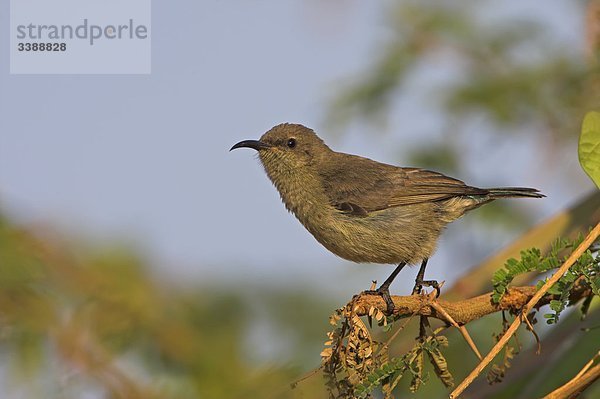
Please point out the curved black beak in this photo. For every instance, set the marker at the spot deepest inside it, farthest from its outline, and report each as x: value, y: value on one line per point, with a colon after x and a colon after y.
x: 255, y: 144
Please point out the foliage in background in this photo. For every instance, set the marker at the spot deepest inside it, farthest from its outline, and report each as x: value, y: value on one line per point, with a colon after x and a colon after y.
x: 76, y: 321
x: 497, y: 75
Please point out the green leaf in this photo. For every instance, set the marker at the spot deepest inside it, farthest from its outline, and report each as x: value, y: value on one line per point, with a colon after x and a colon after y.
x: 377, y: 376
x: 589, y: 146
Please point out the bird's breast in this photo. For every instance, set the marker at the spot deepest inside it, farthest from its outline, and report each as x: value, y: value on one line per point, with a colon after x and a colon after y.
x: 394, y: 235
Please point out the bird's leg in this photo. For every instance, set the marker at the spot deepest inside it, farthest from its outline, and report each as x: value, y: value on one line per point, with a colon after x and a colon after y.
x: 420, y: 283
x: 384, y: 289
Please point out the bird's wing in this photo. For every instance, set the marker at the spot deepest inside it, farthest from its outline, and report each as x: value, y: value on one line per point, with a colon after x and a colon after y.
x: 427, y: 186
x: 359, y: 185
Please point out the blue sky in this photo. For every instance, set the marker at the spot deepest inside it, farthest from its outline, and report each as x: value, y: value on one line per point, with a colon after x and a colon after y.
x: 145, y: 158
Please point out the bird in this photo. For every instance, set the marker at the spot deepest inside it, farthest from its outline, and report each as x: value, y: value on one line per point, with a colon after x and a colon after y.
x: 365, y: 211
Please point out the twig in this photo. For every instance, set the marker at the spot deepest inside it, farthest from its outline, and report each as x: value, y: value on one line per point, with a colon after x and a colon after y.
x: 577, y: 384
x: 573, y: 388
x: 462, y: 329
x: 537, y: 338
x: 398, y: 330
x: 591, y: 237
x: 587, y: 366
x: 306, y: 376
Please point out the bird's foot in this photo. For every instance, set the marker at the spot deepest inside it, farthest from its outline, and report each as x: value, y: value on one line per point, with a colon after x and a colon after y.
x: 384, y: 292
x: 419, y: 284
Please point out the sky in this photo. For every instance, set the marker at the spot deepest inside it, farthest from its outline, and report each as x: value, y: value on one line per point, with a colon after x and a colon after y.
x: 144, y: 159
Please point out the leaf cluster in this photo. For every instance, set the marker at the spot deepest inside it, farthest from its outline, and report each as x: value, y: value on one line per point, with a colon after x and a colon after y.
x: 587, y: 268
x: 354, y: 363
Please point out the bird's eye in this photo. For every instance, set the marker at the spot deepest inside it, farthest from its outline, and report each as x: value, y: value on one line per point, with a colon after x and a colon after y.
x: 291, y: 143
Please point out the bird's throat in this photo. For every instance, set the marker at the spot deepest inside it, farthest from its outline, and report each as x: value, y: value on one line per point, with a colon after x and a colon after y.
x: 301, y: 192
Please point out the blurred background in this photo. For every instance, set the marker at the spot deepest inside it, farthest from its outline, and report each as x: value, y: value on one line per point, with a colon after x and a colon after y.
x: 138, y: 258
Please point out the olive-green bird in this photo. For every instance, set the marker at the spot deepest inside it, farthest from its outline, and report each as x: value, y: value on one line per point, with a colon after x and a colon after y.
x: 366, y: 211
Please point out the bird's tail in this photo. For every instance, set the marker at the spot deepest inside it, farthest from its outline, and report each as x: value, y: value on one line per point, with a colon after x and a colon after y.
x: 468, y: 202
x: 504, y: 192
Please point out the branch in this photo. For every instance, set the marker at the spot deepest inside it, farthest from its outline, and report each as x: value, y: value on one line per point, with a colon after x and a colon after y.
x: 465, y: 311
x: 534, y: 301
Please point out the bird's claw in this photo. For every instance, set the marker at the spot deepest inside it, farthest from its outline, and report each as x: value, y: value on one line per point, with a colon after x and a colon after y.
x: 384, y: 292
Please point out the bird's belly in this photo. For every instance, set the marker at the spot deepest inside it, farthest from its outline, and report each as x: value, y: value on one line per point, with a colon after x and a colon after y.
x: 391, y: 236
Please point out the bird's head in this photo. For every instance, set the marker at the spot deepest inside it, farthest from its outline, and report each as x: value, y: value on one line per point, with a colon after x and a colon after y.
x: 287, y: 148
